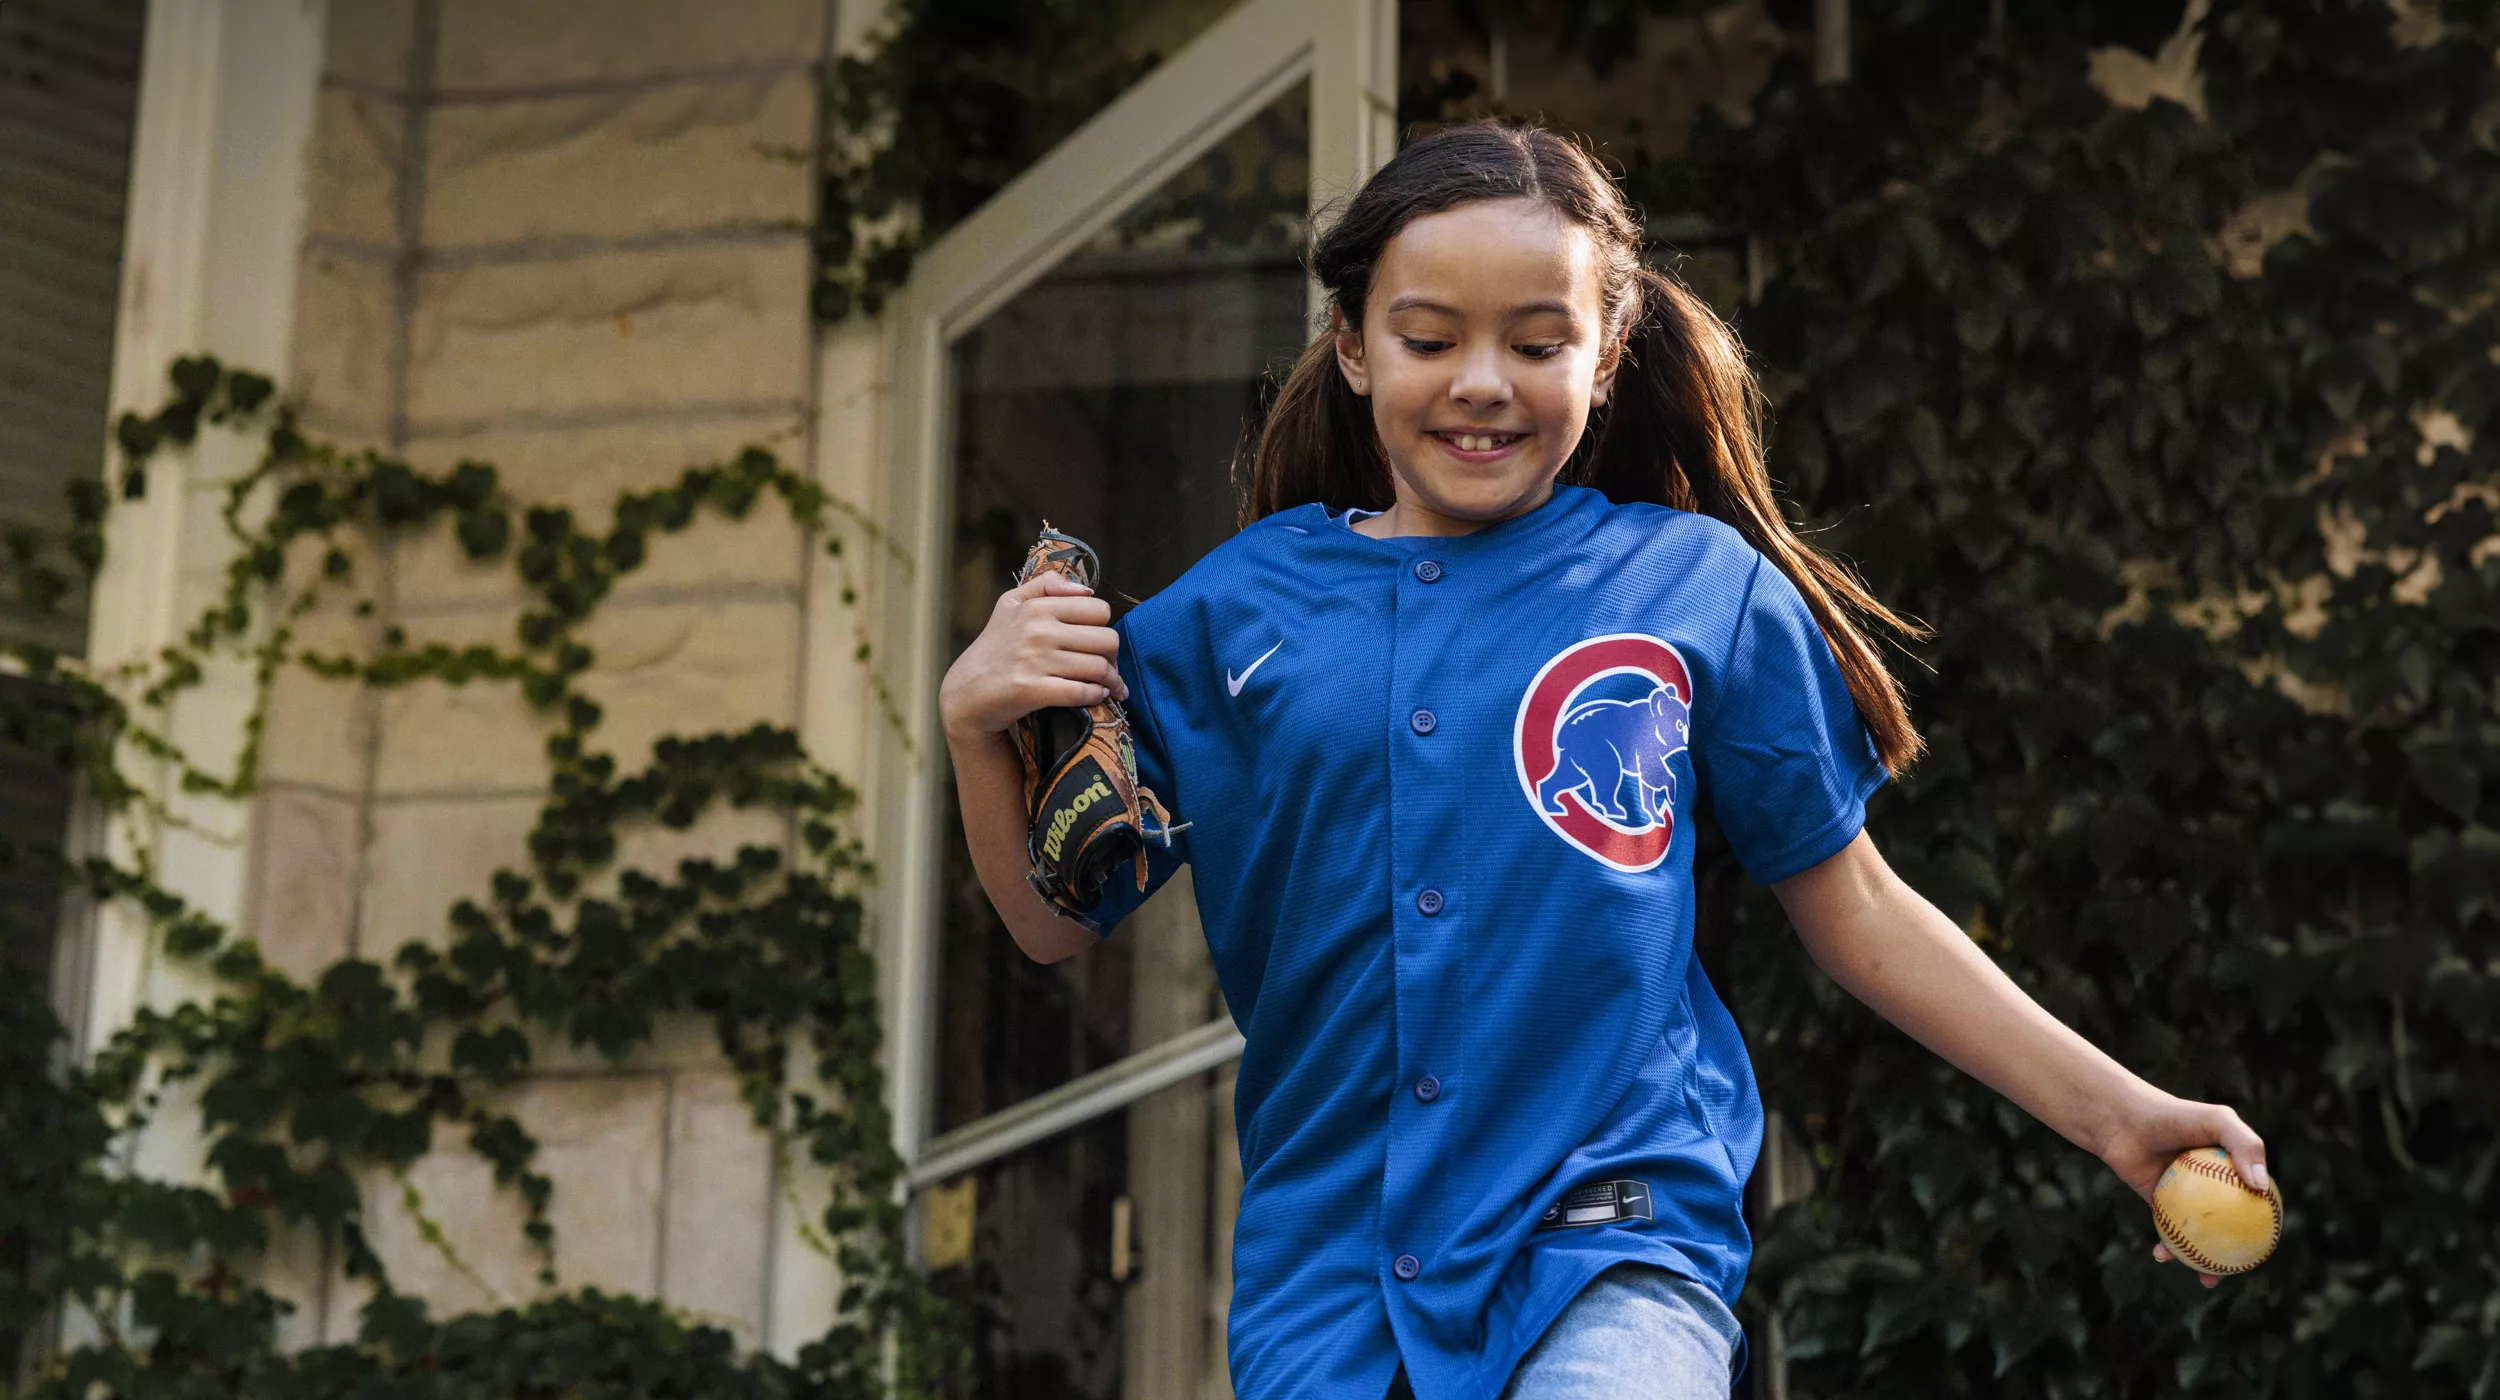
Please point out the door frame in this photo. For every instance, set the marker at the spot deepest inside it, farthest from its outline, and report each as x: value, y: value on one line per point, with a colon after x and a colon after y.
x: 1347, y: 51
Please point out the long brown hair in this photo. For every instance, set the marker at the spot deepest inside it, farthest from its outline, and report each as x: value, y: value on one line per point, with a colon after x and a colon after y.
x: 1683, y: 427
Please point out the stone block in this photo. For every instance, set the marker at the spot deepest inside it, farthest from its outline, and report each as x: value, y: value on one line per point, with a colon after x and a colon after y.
x: 344, y: 313
x: 619, y: 164
x: 717, y: 1206
x: 318, y: 729
x: 680, y: 1041
x: 659, y: 669
x: 657, y: 850
x: 368, y: 41
x: 688, y: 669
x: 303, y: 884
x: 509, y: 43
x: 351, y: 187
x: 441, y: 740
x: 600, y: 1139
x: 209, y: 722
x: 610, y: 333
x: 430, y: 853
x: 585, y: 470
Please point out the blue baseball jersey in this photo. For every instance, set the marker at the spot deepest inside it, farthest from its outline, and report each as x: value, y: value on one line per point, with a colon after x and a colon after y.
x: 1440, y: 796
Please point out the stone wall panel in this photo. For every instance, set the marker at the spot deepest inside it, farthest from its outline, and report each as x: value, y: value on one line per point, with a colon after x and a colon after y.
x: 318, y: 729
x: 585, y: 470
x: 599, y: 1137
x: 431, y: 853
x: 352, y: 189
x: 622, y: 164
x: 304, y: 853
x: 718, y: 1204
x: 344, y: 311
x: 440, y: 739
x: 525, y: 43
x: 689, y: 669
x: 612, y: 285
x: 618, y: 333
x: 659, y: 668
x: 367, y: 41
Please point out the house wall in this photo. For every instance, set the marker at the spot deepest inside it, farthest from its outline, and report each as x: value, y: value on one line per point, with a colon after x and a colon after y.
x: 569, y: 240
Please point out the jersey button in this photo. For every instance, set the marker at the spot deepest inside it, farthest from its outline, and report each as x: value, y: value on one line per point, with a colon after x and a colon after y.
x: 1406, y: 1267
x: 1428, y: 903
x: 1428, y: 571
x: 1427, y: 1088
x: 1424, y: 721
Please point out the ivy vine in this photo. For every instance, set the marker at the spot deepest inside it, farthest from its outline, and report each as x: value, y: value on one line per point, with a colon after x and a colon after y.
x: 948, y: 102
x: 2202, y: 508
x: 300, y: 1088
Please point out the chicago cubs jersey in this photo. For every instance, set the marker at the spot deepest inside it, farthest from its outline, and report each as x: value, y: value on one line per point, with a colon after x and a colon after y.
x: 1440, y: 795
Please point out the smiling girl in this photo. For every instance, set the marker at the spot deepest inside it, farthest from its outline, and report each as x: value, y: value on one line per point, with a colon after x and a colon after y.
x: 1515, y: 598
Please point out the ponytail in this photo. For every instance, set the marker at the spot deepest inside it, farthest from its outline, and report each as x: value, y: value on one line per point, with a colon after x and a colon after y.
x: 1317, y: 444
x: 1683, y: 428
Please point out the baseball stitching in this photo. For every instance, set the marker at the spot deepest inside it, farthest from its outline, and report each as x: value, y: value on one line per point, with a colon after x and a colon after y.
x: 2197, y: 1258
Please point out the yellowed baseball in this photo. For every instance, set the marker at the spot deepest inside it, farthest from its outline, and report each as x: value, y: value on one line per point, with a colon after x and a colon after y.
x: 2214, y: 1222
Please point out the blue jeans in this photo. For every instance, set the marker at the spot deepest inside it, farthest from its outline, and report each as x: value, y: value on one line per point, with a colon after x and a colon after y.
x: 1637, y: 1332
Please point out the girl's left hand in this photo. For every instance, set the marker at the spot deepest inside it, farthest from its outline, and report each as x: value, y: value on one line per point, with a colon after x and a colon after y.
x: 2143, y: 1146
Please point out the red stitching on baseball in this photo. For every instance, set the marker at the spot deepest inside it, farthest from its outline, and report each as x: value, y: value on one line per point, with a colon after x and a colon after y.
x: 2219, y: 1170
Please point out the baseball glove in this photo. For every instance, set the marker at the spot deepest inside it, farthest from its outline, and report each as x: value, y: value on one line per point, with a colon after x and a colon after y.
x: 1087, y: 809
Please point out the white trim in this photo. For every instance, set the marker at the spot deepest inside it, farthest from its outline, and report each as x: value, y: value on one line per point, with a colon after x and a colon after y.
x: 226, y: 102
x: 1082, y: 1099
x: 1347, y: 50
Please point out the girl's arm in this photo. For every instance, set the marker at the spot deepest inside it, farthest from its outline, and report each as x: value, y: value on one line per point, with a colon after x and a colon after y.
x: 1891, y: 949
x: 1048, y: 642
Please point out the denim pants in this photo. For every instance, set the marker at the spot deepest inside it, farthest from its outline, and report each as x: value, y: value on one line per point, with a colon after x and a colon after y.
x: 1637, y: 1332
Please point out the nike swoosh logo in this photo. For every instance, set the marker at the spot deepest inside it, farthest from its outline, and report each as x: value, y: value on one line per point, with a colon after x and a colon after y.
x: 1234, y: 683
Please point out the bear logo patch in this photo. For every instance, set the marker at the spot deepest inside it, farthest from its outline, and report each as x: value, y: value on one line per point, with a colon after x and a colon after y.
x: 1599, y: 731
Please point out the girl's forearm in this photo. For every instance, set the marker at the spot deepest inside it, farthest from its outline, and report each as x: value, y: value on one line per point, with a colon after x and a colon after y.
x: 1890, y: 948
x: 989, y: 782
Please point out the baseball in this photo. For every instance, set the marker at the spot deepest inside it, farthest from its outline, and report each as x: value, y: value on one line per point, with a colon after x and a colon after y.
x: 2214, y: 1222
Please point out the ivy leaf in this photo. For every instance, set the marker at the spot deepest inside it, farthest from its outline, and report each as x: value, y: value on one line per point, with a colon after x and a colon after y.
x: 2446, y: 776
x: 484, y: 532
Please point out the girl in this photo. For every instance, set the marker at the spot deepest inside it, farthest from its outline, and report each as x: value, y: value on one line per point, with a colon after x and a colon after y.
x: 1515, y: 594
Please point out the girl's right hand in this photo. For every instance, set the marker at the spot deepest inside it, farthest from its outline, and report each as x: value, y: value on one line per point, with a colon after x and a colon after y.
x: 1048, y: 642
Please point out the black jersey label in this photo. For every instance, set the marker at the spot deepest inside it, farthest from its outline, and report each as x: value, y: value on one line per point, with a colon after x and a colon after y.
x: 1599, y: 1203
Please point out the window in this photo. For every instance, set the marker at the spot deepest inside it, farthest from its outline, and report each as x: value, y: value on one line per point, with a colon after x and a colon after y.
x: 1090, y: 348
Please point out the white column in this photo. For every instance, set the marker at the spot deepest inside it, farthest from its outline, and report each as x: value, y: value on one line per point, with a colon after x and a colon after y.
x: 226, y: 94
x: 216, y: 213
x: 840, y: 720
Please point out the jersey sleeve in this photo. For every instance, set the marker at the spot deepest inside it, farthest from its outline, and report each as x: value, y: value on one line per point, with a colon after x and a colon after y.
x: 1120, y: 894
x: 1783, y: 755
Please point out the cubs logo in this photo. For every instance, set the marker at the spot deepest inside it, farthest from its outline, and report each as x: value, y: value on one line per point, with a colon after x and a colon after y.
x: 1597, y: 730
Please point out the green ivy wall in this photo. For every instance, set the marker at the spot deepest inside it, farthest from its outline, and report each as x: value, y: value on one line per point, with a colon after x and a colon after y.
x: 2176, y: 421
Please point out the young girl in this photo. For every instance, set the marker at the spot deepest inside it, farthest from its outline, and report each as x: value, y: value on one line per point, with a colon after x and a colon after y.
x: 1516, y: 596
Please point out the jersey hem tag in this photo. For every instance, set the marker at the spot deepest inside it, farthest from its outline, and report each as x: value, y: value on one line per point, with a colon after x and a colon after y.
x: 1599, y: 1203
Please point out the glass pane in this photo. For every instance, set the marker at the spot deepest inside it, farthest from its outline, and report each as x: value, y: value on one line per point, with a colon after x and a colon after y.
x: 1109, y: 398
x: 1100, y: 1261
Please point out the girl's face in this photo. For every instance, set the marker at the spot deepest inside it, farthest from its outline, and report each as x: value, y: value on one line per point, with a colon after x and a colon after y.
x: 1481, y: 351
